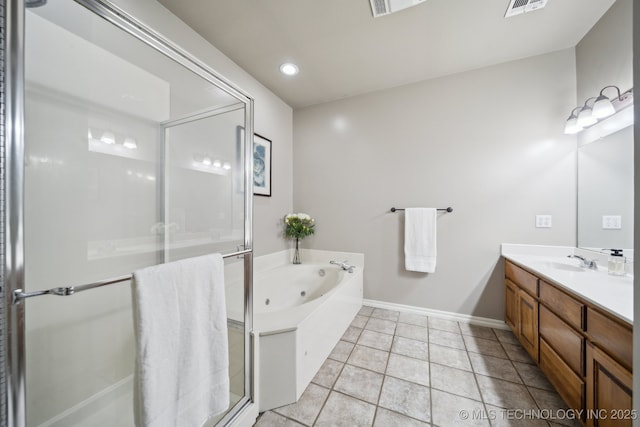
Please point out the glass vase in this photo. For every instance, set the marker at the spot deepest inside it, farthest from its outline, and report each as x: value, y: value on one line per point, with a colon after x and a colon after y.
x: 296, y: 254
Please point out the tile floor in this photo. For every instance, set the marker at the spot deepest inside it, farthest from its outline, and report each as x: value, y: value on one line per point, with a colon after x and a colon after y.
x: 402, y: 369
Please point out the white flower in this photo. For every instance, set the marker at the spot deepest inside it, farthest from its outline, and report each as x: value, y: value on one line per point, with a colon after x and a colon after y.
x: 304, y: 216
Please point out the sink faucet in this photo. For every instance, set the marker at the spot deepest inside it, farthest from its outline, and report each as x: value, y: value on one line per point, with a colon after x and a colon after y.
x: 585, y: 263
x: 343, y: 265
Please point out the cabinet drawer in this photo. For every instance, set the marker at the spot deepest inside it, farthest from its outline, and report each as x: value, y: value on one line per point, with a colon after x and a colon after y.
x: 569, y: 386
x: 612, y: 336
x: 522, y: 278
x: 565, y: 306
x: 567, y: 343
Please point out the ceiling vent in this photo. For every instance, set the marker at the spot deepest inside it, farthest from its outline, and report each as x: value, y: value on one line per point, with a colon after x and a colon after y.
x: 517, y: 7
x: 385, y: 7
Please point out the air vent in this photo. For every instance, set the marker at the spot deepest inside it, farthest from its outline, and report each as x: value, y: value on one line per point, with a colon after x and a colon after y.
x: 517, y: 7
x: 385, y: 7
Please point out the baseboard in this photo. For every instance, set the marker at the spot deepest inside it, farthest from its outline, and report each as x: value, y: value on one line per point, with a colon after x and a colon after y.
x: 464, y: 318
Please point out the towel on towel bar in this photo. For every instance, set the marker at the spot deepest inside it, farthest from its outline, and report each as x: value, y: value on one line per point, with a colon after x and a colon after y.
x: 181, y: 376
x: 420, y: 239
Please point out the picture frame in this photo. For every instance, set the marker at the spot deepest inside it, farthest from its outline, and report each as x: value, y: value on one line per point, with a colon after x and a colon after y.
x: 261, y: 165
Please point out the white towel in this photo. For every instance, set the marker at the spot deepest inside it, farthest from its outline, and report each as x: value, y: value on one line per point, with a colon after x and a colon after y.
x: 182, y: 362
x: 420, y: 239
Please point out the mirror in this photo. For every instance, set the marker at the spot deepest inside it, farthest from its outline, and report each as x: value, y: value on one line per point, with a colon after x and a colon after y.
x: 605, y: 191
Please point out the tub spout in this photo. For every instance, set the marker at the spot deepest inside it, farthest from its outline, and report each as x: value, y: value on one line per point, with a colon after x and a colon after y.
x: 343, y: 265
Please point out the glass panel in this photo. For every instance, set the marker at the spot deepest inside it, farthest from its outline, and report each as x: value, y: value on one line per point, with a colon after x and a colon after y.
x: 205, y: 191
x: 102, y: 112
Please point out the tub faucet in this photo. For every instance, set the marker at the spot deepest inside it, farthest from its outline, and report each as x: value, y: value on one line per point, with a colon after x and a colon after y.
x: 343, y: 265
x: 585, y: 263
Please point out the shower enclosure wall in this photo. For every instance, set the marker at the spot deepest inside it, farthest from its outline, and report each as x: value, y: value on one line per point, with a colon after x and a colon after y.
x: 120, y: 151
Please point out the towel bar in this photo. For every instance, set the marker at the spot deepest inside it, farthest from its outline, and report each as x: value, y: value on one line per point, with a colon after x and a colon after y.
x: 64, y: 291
x: 449, y: 209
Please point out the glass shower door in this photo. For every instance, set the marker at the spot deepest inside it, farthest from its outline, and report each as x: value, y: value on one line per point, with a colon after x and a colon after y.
x: 132, y: 158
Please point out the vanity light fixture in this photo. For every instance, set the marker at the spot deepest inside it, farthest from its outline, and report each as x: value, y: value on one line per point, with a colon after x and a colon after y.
x: 108, y: 138
x: 130, y: 143
x: 585, y: 116
x: 572, y: 123
x: 206, y: 161
x: 289, y: 69
x: 601, y: 108
x: 217, y: 164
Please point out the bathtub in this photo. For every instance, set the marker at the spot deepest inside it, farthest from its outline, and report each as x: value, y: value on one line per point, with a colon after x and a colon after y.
x: 300, y: 313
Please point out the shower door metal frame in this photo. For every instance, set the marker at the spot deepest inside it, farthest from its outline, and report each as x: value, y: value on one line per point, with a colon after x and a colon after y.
x: 12, y: 210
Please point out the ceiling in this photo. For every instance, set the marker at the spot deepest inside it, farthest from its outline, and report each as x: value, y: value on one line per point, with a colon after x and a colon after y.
x: 342, y: 50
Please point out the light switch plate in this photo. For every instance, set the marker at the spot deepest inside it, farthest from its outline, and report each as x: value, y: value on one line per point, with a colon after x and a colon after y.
x: 611, y: 222
x: 543, y: 221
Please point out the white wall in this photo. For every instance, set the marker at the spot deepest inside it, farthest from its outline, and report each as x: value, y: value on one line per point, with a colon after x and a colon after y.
x: 273, y: 118
x: 487, y: 142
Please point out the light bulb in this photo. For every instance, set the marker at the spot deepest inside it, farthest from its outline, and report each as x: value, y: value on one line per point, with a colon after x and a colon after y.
x: 572, y: 126
x: 108, y: 138
x: 130, y: 143
x: 217, y: 164
x: 206, y: 161
x: 585, y: 118
x: 289, y: 69
x: 603, y: 107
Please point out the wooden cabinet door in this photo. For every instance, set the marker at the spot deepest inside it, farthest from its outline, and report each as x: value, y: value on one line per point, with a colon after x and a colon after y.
x: 527, y: 324
x: 511, y: 304
x: 609, y: 397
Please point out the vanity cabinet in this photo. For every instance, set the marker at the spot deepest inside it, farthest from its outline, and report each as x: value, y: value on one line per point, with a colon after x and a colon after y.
x: 585, y: 352
x: 521, y: 307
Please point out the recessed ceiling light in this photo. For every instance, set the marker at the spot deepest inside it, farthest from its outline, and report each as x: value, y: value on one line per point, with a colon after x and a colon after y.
x: 289, y: 69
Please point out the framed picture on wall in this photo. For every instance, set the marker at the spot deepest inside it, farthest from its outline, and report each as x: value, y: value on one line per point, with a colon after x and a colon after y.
x: 261, y: 165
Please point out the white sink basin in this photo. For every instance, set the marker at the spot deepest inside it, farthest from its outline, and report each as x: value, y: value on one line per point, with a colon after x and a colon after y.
x: 562, y: 266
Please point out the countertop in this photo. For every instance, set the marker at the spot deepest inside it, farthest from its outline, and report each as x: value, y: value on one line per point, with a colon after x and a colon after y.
x: 613, y: 294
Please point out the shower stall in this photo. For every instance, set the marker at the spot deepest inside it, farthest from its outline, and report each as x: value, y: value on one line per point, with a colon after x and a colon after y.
x: 119, y: 151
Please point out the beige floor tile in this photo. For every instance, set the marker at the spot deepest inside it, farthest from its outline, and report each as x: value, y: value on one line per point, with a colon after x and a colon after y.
x: 271, y: 419
x: 328, y: 373
x: 532, y: 376
x: 342, y: 410
x: 444, y: 325
x: 516, y: 353
x: 448, y: 356
x: 553, y: 404
x: 382, y: 313
x: 409, y: 369
x: 415, y: 332
x: 451, y: 410
x: 504, y: 394
x: 409, y: 347
x: 501, y: 417
x: 381, y: 325
x: 386, y: 418
x: 414, y: 319
x: 365, y: 311
x: 369, y: 358
x: 351, y: 334
x: 494, y: 367
x: 505, y: 335
x: 341, y: 351
x: 484, y: 346
x: 454, y: 381
x: 477, y: 331
x: 376, y: 340
x: 447, y: 339
x: 307, y: 408
x: 359, y: 321
x: 406, y: 398
x: 359, y: 383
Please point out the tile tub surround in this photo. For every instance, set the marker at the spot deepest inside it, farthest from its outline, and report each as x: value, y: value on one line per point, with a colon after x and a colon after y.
x: 404, y: 377
x: 613, y: 294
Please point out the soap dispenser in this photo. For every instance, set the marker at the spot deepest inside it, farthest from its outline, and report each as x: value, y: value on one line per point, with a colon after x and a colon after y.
x: 616, y: 263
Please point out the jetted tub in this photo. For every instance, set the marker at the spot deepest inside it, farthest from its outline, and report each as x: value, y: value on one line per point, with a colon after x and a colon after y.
x: 300, y: 313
